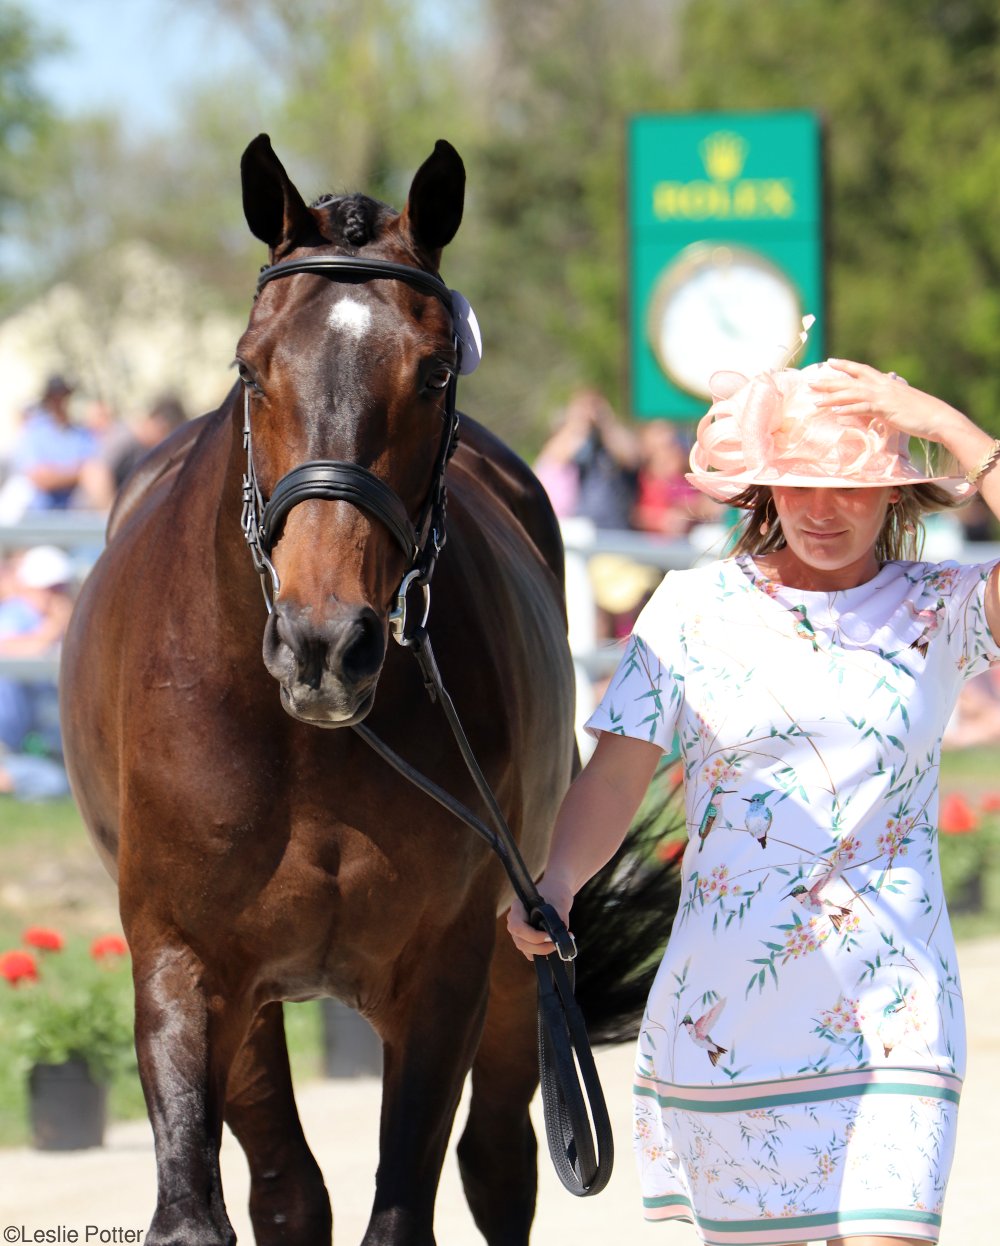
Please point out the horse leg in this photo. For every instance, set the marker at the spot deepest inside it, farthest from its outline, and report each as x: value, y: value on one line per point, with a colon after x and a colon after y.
x: 183, y: 1047
x: 497, y: 1154
x: 289, y: 1204
x: 429, y: 1032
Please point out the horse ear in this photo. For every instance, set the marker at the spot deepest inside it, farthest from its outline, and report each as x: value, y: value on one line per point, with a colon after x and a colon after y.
x: 275, y: 211
x: 433, y: 210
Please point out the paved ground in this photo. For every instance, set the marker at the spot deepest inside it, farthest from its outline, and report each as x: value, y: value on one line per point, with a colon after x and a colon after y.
x: 109, y: 1192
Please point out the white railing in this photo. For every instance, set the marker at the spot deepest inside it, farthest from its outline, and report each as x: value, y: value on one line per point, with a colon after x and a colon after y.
x: 70, y: 530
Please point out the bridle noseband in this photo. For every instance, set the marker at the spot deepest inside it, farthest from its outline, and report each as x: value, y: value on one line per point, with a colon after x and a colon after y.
x: 335, y: 480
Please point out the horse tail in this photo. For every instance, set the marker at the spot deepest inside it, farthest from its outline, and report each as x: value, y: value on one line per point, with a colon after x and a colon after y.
x: 622, y: 918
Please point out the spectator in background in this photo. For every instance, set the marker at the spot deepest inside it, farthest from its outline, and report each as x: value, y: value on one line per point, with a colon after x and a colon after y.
x: 126, y: 444
x: 977, y: 523
x: 49, y: 456
x: 35, y: 605
x: 667, y: 503
x: 26, y: 776
x: 588, y: 466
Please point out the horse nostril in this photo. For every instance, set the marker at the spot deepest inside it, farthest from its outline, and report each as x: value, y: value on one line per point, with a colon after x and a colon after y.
x: 350, y: 646
x: 362, y: 648
x: 312, y: 661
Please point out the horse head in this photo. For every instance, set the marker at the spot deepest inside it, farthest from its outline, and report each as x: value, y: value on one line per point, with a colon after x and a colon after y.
x: 348, y: 365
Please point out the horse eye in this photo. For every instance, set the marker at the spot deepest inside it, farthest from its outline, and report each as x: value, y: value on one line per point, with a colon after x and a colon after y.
x: 439, y: 378
x: 247, y: 377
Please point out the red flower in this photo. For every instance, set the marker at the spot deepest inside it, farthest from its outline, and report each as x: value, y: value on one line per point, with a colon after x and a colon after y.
x: 672, y: 850
x: 108, y: 946
x: 18, y: 967
x: 43, y: 938
x: 957, y: 816
x: 991, y: 802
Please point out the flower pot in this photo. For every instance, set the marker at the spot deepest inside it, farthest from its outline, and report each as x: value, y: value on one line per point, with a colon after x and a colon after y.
x: 351, y: 1048
x: 967, y: 895
x: 68, y: 1108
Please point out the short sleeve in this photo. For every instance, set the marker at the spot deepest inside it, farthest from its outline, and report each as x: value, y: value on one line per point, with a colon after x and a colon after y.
x: 644, y: 696
x: 962, y: 590
x: 42, y: 444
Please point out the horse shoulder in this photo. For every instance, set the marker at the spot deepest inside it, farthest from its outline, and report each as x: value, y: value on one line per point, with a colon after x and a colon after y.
x: 491, y: 464
x: 156, y: 470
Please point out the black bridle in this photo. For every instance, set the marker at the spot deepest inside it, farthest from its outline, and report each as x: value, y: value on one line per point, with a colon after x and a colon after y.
x: 582, y: 1156
x: 334, y: 480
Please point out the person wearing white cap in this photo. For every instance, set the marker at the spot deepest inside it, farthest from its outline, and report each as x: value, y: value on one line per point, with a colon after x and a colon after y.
x: 800, y: 1062
x: 35, y: 605
x: 44, y: 566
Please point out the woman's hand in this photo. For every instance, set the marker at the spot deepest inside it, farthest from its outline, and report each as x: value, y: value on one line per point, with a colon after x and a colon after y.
x: 863, y: 390
x: 593, y: 818
x: 529, y: 941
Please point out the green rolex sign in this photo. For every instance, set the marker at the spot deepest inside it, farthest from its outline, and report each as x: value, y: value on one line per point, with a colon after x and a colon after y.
x: 725, y: 251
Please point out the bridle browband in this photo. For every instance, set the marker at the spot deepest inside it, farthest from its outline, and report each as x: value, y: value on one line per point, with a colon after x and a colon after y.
x: 362, y: 267
x: 334, y: 480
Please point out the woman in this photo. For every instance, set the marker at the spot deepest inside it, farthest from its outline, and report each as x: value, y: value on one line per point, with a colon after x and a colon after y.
x: 802, y: 1053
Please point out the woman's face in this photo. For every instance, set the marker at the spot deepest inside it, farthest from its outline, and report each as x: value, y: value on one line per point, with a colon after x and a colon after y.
x: 830, y: 533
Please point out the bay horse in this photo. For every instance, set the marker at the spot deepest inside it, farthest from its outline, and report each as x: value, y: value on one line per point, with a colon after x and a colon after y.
x: 263, y: 852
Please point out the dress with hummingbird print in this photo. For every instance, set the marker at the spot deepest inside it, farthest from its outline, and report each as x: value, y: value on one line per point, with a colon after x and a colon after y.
x: 802, y: 1053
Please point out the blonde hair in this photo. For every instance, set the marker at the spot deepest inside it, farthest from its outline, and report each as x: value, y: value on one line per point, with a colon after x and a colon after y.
x: 901, y: 537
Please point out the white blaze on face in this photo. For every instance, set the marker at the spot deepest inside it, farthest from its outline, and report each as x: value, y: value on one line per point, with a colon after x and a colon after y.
x: 352, y: 317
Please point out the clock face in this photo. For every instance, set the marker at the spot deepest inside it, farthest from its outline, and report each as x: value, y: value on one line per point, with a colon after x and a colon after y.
x: 720, y: 308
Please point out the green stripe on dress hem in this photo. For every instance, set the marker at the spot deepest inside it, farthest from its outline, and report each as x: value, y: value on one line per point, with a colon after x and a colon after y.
x: 817, y: 1095
x: 793, y: 1222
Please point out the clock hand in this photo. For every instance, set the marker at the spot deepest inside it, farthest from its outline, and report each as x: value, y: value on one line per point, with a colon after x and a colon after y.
x: 721, y: 316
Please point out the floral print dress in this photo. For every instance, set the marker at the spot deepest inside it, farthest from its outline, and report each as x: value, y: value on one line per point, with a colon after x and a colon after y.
x: 802, y: 1053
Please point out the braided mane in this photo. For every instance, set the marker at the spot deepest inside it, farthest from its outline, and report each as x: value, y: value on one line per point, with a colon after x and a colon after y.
x: 353, y: 219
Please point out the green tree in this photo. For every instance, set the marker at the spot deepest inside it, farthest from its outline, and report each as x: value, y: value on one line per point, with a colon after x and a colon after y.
x: 907, y: 91
x: 356, y: 91
x: 24, y: 113
x: 560, y: 81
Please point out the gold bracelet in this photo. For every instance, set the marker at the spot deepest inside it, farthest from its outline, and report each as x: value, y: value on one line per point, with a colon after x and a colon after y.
x: 991, y: 460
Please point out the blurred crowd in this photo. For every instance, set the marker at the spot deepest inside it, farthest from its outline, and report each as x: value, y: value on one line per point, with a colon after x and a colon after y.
x: 597, y: 469
x: 65, y: 454
x: 612, y: 476
x: 61, y: 458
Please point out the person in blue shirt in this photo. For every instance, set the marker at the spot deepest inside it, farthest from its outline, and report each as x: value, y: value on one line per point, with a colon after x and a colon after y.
x: 51, y: 453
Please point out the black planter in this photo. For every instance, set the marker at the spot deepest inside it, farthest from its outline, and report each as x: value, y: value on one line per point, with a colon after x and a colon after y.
x: 351, y: 1048
x: 68, y: 1108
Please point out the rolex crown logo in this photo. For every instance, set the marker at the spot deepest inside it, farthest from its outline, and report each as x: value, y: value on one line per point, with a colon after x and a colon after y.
x: 724, y: 155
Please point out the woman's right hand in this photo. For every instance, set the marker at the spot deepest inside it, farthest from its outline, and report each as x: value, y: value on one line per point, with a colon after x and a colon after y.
x: 529, y: 941
x: 593, y: 818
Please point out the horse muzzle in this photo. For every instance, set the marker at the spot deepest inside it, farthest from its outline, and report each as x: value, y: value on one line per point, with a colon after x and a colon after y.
x: 328, y: 668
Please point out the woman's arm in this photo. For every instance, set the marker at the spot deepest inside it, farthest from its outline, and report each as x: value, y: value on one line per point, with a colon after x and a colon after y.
x: 594, y: 816
x: 866, y: 390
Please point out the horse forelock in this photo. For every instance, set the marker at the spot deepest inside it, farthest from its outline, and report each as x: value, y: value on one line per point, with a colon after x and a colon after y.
x: 353, y: 220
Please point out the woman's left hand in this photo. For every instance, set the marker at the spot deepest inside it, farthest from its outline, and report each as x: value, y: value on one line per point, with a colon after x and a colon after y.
x: 863, y: 390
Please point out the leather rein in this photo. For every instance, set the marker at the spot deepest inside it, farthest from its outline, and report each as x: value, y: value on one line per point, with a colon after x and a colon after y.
x: 582, y: 1155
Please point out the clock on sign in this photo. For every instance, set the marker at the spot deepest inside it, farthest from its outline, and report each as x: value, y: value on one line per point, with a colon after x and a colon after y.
x: 721, y: 308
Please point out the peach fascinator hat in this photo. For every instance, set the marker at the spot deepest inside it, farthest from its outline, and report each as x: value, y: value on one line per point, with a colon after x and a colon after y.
x: 767, y: 430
